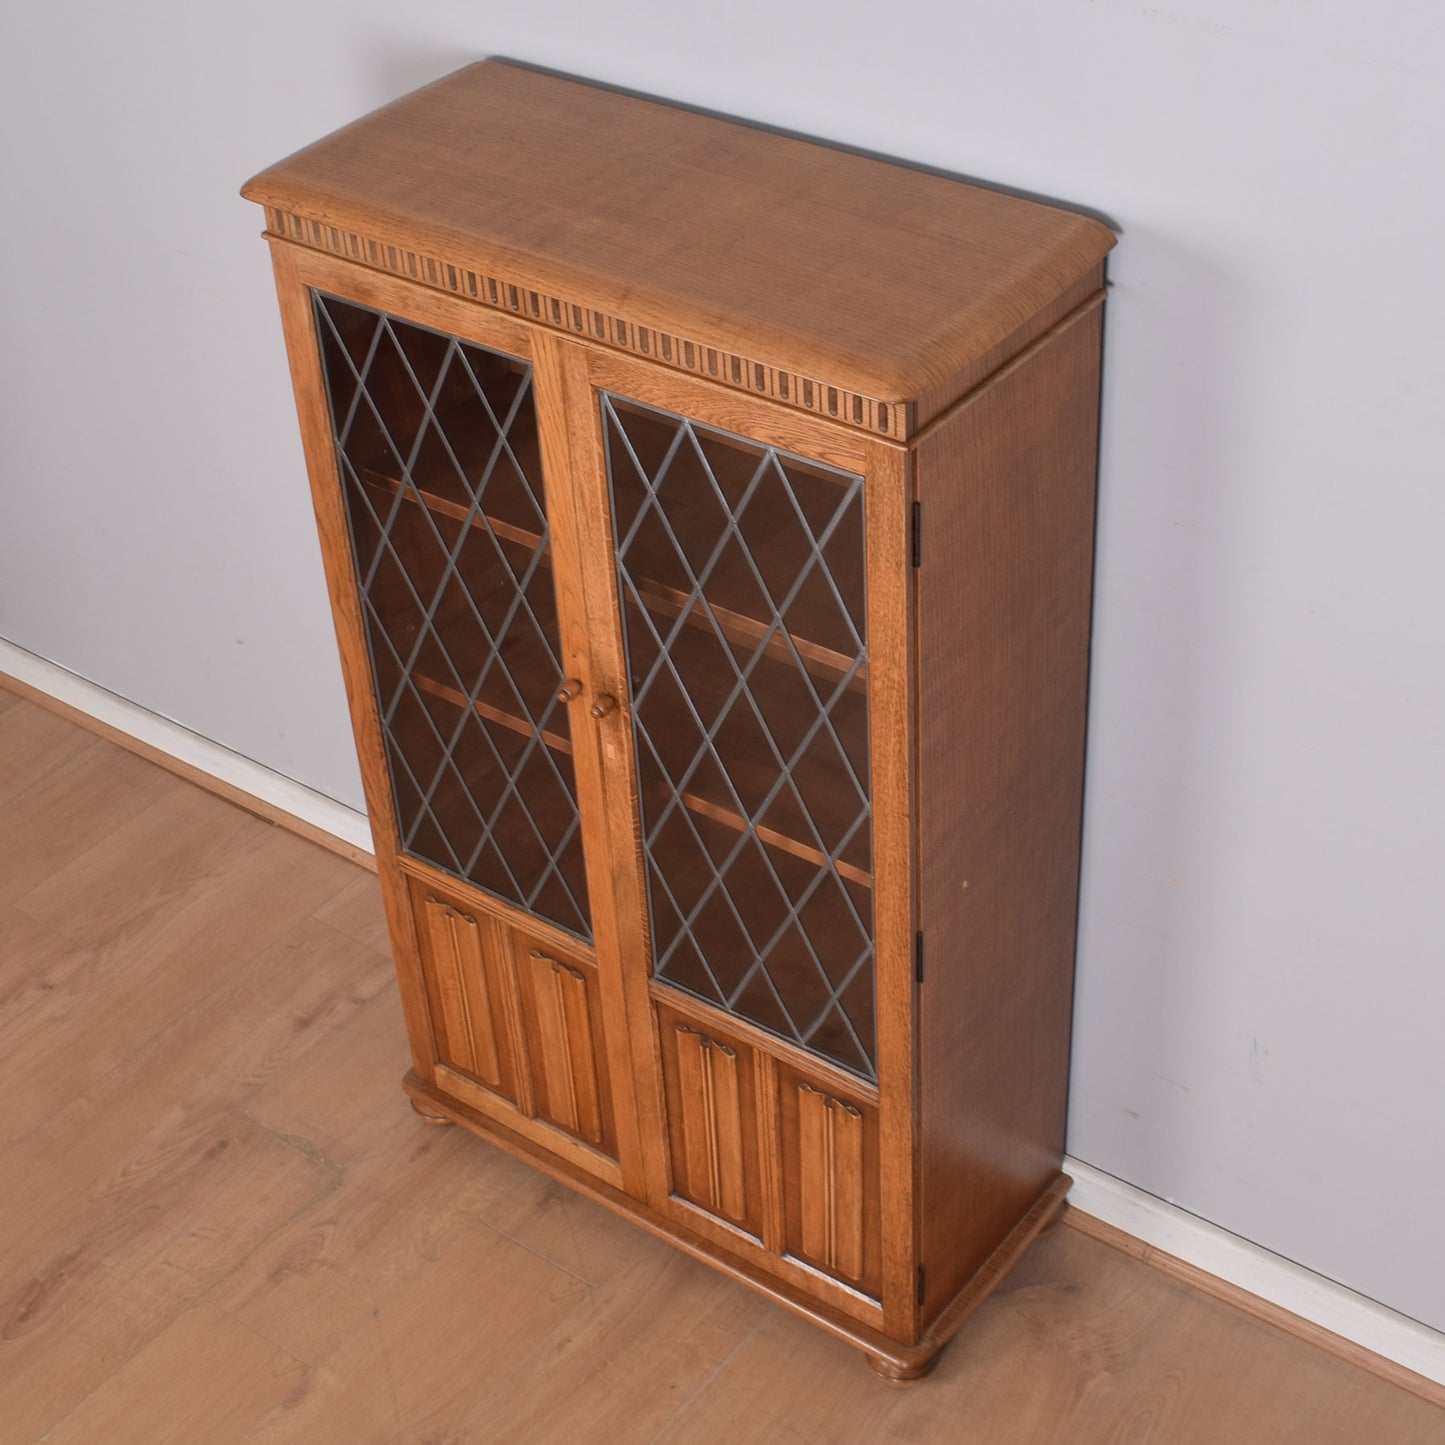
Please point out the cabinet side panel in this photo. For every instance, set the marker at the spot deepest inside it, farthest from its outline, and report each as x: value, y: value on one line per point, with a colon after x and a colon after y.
x: 1006, y: 485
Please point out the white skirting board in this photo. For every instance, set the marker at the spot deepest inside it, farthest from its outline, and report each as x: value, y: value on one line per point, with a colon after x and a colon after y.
x: 1165, y: 1226
x: 1270, y: 1276
x: 186, y: 746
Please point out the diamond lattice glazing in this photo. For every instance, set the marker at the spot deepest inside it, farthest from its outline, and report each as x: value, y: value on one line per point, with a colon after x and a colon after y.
x: 741, y: 576
x: 436, y: 440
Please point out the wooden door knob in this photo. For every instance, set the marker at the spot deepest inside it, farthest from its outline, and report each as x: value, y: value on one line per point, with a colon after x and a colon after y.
x: 604, y: 704
x: 570, y: 690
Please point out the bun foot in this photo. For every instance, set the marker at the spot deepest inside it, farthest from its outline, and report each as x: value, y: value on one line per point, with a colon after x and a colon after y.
x: 426, y: 1112
x: 892, y: 1373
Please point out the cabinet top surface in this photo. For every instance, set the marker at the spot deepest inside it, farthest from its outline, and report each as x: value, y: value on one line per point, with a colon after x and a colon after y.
x: 857, y: 272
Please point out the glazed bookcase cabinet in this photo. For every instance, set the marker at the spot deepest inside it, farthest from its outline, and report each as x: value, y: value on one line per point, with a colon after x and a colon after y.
x: 708, y: 522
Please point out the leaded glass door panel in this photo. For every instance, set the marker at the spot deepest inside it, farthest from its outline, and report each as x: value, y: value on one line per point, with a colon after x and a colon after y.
x: 740, y: 573
x: 437, y: 446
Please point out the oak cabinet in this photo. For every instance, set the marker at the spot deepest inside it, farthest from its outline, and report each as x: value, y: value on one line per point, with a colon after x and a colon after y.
x: 707, y: 517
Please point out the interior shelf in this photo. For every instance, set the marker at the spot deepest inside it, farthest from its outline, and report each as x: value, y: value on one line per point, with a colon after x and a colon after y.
x: 753, y: 518
x: 768, y: 942
x: 734, y: 820
x: 535, y: 677
x: 823, y: 662
x: 511, y: 721
x: 662, y: 600
x: 776, y: 716
x: 387, y: 487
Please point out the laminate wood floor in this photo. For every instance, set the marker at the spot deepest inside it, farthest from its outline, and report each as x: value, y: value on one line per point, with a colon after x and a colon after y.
x: 220, y: 1221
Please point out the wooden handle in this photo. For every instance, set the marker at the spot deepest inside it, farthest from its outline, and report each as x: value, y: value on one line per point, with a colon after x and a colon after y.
x: 570, y: 690
x: 604, y: 704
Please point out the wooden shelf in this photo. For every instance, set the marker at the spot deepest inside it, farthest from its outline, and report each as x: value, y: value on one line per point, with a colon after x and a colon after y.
x: 730, y: 818
x: 715, y: 935
x: 700, y: 806
x: 448, y: 448
x: 823, y: 662
x: 819, y: 776
x: 475, y: 782
x: 771, y: 532
x: 431, y: 686
x: 695, y: 804
x: 389, y: 487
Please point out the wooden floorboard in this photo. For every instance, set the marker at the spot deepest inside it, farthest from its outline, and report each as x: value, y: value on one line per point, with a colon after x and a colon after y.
x: 220, y: 1221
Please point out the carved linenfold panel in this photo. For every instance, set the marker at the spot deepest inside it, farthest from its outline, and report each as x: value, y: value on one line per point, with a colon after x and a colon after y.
x: 467, y: 1017
x: 712, y: 1124
x: 830, y: 1181
x: 869, y: 414
x: 563, y: 1048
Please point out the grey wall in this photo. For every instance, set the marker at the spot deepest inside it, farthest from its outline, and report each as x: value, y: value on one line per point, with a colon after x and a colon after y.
x: 1262, y: 979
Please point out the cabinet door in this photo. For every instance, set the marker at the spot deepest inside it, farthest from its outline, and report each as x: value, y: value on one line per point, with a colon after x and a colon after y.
x: 438, y: 452
x: 741, y: 580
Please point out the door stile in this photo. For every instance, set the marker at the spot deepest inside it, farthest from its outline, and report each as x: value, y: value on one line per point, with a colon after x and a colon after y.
x: 303, y: 352
x: 888, y: 507
x: 591, y: 626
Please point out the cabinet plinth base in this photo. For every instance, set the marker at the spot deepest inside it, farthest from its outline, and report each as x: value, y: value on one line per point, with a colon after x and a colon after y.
x: 891, y: 1360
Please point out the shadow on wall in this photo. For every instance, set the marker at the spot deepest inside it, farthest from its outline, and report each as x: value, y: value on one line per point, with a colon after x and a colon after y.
x: 397, y: 66
x: 1163, y: 730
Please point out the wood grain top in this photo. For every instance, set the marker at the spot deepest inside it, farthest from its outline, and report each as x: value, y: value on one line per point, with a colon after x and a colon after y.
x: 859, y: 273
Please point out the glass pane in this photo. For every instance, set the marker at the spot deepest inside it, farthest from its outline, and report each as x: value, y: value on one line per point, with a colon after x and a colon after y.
x: 740, y: 570
x: 437, y: 445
